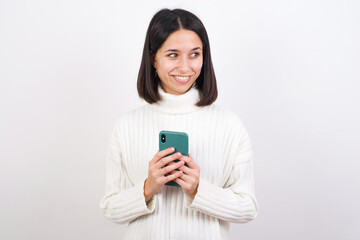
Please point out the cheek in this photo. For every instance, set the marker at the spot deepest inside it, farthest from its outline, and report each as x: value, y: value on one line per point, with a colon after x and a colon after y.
x: 166, y: 67
x: 197, y: 65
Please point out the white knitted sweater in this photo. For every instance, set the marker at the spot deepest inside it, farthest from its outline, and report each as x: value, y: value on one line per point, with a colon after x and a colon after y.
x: 220, y: 146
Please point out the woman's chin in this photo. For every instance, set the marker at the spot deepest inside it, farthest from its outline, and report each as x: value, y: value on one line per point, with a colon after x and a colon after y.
x: 177, y: 88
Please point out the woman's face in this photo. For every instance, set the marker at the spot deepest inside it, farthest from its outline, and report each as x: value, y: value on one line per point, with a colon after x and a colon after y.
x: 179, y: 60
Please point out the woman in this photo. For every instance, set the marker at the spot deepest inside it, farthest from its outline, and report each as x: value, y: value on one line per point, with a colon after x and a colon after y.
x: 177, y: 80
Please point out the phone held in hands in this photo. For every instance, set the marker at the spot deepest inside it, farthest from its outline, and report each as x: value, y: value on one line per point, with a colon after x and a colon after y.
x: 177, y: 140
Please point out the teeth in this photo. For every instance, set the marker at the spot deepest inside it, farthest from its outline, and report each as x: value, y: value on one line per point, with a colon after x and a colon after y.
x: 182, y: 78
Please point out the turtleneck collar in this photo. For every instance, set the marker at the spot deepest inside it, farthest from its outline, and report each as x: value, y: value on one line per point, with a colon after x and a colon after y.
x: 178, y: 104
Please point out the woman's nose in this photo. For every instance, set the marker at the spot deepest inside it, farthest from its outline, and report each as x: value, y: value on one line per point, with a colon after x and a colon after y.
x: 184, y: 65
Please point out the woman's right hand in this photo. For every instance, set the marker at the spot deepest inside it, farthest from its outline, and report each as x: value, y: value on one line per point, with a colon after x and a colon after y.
x: 161, y: 171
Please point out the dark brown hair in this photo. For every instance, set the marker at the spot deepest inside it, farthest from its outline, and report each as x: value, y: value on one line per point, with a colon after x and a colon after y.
x: 164, y: 23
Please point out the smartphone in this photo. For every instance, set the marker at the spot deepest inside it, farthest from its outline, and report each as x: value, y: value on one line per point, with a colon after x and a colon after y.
x: 177, y: 140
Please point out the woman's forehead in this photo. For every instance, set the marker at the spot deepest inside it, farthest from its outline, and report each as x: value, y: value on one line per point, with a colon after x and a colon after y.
x: 178, y: 50
x: 182, y: 40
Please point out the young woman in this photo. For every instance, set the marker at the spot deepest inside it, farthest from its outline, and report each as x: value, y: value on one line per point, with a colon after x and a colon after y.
x: 177, y: 80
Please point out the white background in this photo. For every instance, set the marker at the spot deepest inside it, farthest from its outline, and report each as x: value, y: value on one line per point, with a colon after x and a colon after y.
x: 289, y: 69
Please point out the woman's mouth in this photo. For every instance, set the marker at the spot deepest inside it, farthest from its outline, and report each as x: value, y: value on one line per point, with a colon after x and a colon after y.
x: 182, y: 79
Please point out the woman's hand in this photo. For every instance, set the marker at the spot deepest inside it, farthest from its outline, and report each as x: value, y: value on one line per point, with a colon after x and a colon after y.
x: 160, y: 172
x: 189, y: 180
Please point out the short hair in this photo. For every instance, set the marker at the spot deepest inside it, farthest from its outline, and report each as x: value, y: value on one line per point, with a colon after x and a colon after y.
x: 162, y: 24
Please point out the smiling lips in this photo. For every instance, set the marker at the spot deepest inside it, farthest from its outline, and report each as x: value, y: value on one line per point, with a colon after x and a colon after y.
x: 182, y: 79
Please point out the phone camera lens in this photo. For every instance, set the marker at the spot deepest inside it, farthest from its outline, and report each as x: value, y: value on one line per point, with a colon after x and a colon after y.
x: 163, y: 138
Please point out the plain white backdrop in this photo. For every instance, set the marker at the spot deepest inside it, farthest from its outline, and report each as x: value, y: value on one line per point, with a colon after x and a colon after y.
x: 289, y: 69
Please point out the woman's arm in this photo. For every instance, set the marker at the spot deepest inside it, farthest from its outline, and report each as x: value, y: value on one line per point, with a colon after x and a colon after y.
x: 235, y: 202
x: 123, y: 201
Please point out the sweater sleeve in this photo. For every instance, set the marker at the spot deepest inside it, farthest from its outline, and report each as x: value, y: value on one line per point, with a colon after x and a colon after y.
x: 235, y: 201
x: 123, y: 200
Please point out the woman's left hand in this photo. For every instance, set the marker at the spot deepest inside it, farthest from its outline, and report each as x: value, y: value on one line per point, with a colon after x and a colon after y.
x: 189, y: 180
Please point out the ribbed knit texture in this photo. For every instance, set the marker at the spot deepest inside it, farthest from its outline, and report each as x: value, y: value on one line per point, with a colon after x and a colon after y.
x: 219, y: 144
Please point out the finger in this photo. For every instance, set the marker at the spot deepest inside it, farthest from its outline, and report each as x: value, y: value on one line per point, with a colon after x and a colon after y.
x: 166, y: 160
x: 172, y: 167
x: 172, y: 172
x: 171, y: 163
x: 181, y: 182
x: 160, y: 154
x: 172, y: 177
x: 189, y: 161
x: 186, y: 170
x: 186, y: 178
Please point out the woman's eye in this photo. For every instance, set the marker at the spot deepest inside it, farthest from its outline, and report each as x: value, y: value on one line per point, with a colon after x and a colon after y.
x: 195, y: 54
x: 173, y: 55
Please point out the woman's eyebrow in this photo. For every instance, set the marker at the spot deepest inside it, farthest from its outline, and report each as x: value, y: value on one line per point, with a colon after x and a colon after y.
x: 175, y: 50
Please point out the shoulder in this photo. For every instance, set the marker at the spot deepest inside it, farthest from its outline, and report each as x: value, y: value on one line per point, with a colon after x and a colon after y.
x: 228, y: 118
